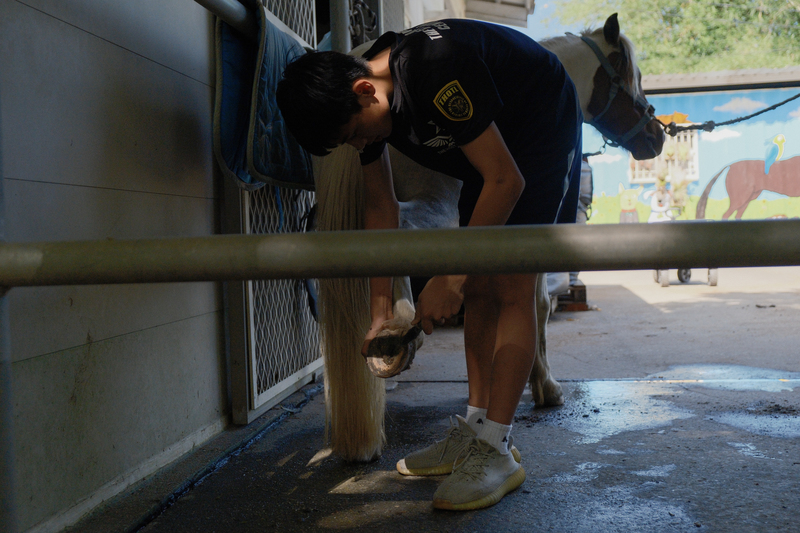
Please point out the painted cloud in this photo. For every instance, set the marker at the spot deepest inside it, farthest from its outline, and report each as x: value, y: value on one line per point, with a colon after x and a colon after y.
x: 604, y: 158
x: 739, y: 105
x: 719, y: 135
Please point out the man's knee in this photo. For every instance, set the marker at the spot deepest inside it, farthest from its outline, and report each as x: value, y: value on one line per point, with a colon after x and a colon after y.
x: 504, y: 289
x: 477, y: 292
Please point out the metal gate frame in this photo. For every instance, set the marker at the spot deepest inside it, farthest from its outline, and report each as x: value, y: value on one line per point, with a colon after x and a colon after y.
x: 272, y: 340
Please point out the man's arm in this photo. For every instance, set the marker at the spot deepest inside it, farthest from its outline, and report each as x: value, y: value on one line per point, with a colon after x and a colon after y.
x: 502, y: 181
x: 381, y: 211
x: 502, y: 186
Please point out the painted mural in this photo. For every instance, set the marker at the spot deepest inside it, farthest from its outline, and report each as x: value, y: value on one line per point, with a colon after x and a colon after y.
x: 750, y: 170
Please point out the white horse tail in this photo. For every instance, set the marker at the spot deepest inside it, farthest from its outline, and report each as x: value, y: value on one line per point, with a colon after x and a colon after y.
x: 355, y: 399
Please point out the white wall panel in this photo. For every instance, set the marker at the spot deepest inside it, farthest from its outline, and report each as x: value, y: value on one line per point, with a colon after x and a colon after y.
x: 80, y: 110
x: 88, y: 414
x: 55, y: 212
x: 174, y: 33
x: 45, y: 320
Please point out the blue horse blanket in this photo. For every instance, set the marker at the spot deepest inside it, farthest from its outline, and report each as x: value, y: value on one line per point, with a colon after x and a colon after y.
x: 251, y: 141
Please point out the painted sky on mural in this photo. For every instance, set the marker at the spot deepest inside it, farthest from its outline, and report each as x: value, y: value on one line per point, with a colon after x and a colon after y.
x: 724, y: 145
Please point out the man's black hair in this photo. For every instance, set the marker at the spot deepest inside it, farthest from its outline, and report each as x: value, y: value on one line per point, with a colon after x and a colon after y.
x: 316, y: 97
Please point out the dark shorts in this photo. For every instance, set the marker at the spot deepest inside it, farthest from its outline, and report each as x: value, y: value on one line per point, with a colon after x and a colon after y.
x: 552, y: 187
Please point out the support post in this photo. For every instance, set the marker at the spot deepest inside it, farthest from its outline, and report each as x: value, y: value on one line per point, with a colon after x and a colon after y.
x: 8, y: 517
x: 8, y: 510
x: 340, y: 25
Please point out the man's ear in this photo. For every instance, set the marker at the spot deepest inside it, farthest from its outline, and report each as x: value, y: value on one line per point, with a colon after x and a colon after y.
x: 363, y: 88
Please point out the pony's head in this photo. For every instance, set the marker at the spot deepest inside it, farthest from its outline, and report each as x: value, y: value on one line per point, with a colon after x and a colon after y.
x: 618, y: 108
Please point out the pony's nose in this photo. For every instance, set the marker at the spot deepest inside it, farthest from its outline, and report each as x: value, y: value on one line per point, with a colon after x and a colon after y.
x: 653, y: 140
x: 659, y: 138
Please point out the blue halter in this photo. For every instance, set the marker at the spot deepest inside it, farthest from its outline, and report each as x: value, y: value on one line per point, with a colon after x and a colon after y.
x: 616, y: 85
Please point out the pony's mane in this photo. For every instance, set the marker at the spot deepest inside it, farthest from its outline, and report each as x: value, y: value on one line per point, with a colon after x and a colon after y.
x: 629, y: 52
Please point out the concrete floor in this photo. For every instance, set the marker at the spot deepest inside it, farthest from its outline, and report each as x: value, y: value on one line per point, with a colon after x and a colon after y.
x: 682, y: 413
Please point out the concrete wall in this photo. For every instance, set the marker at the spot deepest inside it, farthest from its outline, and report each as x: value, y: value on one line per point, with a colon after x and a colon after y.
x: 106, y: 133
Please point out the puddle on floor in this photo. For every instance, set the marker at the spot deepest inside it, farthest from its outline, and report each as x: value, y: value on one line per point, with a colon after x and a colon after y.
x: 621, y: 509
x: 600, y: 409
x: 730, y: 377
x: 782, y: 426
x: 656, y: 471
x: 584, y: 472
x: 749, y: 450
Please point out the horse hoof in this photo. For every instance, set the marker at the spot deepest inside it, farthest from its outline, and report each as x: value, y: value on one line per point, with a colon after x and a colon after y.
x: 389, y: 355
x: 386, y: 366
x: 547, y: 394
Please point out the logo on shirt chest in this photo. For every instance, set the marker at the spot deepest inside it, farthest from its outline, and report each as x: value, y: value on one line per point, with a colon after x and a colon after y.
x: 438, y: 139
x: 453, y: 102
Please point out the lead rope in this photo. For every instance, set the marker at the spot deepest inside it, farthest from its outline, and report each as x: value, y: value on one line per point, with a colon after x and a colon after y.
x: 673, y: 129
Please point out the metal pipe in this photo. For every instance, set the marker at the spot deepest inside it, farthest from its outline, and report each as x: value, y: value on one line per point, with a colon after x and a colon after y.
x: 340, y: 25
x: 235, y: 14
x: 8, y: 520
x: 480, y: 250
x: 8, y: 510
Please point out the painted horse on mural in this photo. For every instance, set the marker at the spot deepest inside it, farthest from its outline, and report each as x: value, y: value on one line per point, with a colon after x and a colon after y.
x: 747, y: 179
x: 602, y: 65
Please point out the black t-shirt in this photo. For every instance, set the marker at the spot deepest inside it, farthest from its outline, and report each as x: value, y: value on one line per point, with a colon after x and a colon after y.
x: 453, y: 77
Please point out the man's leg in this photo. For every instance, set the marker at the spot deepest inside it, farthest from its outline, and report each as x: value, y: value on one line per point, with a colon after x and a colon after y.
x: 481, y: 310
x: 439, y: 458
x: 499, y: 339
x: 515, y: 344
x: 505, y: 305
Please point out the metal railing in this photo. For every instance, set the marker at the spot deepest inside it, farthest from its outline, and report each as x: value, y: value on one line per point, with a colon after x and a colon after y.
x: 478, y: 250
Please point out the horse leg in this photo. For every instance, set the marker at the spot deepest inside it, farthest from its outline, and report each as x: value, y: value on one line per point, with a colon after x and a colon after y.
x: 545, y: 391
x: 355, y: 399
x: 743, y: 207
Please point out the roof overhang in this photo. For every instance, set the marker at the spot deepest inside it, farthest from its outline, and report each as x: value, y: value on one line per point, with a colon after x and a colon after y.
x: 761, y: 78
x: 510, y: 12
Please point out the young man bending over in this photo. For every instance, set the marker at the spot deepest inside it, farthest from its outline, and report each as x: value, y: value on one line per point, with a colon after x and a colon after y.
x: 489, y: 106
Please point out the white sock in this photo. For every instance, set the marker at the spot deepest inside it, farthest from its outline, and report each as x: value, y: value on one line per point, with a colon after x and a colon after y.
x: 475, y: 417
x: 495, y: 434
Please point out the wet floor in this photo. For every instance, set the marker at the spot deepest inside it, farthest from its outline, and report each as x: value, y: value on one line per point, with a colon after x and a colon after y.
x: 680, y: 414
x: 647, y: 456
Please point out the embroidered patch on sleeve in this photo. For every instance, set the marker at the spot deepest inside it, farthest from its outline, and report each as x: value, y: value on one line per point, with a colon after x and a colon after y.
x: 453, y: 102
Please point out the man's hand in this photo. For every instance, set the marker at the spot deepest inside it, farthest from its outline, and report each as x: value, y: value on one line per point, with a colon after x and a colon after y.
x: 439, y: 300
x: 378, y: 324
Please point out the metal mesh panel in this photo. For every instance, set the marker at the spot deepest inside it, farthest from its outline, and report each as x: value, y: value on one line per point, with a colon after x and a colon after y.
x: 285, y: 335
x: 298, y: 15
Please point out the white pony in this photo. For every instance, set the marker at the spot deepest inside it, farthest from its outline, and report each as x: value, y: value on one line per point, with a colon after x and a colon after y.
x: 596, y: 61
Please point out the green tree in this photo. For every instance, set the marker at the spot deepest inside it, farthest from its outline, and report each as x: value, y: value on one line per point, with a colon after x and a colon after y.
x: 684, y: 36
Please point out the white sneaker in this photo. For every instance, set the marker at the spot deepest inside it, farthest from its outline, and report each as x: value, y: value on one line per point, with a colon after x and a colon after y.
x: 438, y: 458
x: 480, y: 479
